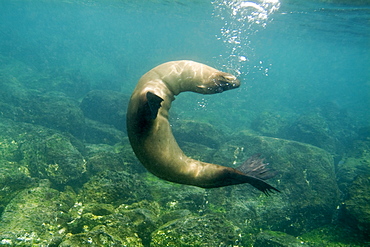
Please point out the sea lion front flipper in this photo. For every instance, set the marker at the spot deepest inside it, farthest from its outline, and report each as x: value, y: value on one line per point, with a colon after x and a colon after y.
x: 152, y: 105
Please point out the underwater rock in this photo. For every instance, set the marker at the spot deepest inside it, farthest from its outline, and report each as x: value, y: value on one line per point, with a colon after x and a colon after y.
x: 125, y: 225
x: 174, y: 214
x: 144, y: 218
x: 102, y: 157
x: 102, y: 160
x: 108, y: 107
x: 114, y: 187
x: 309, y: 192
x: 35, y: 217
x: 353, y: 181
x: 173, y: 196
x: 208, y: 231
x: 103, y: 235
x: 99, y: 133
x: 269, y: 124
x: 333, y: 235
x: 23, y: 99
x: 276, y: 239
x: 54, y: 111
x: 30, y: 152
x: 42, y: 152
x: 197, y: 151
x: 348, y: 169
x: 53, y: 156
x: 357, y: 206
x: 13, y: 179
x: 313, y: 129
x: 14, y: 176
x: 69, y: 81
x: 197, y: 132
x: 327, y: 127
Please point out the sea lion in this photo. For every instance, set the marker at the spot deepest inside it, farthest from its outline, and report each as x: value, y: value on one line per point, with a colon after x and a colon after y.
x: 151, y: 137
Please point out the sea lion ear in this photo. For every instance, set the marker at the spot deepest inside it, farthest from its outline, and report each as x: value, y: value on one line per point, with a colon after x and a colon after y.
x: 152, y: 105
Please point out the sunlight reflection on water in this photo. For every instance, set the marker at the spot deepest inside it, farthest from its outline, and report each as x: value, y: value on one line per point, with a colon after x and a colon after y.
x: 241, y: 20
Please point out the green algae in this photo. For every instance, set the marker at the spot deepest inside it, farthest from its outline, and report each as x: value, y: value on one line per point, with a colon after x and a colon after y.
x: 333, y: 236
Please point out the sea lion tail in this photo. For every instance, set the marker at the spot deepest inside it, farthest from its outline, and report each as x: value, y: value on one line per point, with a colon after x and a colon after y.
x: 256, y: 171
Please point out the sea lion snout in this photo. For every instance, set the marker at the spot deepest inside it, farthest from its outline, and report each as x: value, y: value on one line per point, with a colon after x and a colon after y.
x: 218, y: 82
x: 225, y: 81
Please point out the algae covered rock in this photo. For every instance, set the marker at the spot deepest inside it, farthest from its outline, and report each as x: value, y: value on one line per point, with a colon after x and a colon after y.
x: 108, y: 107
x: 309, y: 192
x: 114, y: 187
x: 102, y: 236
x: 333, y: 236
x: 100, y: 224
x: 348, y: 169
x: 357, y: 206
x: 208, y: 230
x: 35, y: 216
x: 313, y: 129
x: 197, y: 132
x: 269, y: 124
x: 99, y: 133
x: 174, y: 196
x: 54, y: 111
x: 53, y: 156
x: 120, y: 157
x: 40, y: 152
x: 276, y: 239
x: 14, y: 176
x: 327, y: 126
x: 13, y: 179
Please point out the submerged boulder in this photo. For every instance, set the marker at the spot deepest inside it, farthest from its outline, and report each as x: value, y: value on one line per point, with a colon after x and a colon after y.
x: 39, y: 152
x: 103, y: 235
x: 114, y: 187
x: 13, y: 179
x: 14, y: 176
x: 197, y: 132
x: 276, y: 239
x: 100, y: 224
x: 52, y: 110
x: 108, y: 107
x: 309, y: 192
x: 99, y: 133
x: 207, y: 230
x: 357, y: 205
x: 35, y: 217
x: 327, y: 126
x: 53, y: 156
x: 269, y: 124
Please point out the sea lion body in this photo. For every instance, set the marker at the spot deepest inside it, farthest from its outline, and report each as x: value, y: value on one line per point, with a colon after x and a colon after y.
x: 150, y: 133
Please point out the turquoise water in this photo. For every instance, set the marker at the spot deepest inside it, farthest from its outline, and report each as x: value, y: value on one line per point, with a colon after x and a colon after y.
x: 304, y: 69
x: 292, y: 57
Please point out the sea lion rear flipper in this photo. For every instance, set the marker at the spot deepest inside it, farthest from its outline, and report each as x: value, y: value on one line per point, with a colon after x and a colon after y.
x: 255, y: 167
x: 152, y: 105
x: 262, y: 185
x: 256, y: 171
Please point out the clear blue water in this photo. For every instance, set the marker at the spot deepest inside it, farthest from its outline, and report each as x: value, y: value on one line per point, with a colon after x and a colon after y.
x: 291, y: 56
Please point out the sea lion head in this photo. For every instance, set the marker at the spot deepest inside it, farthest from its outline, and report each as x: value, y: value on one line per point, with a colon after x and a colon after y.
x: 217, y: 83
